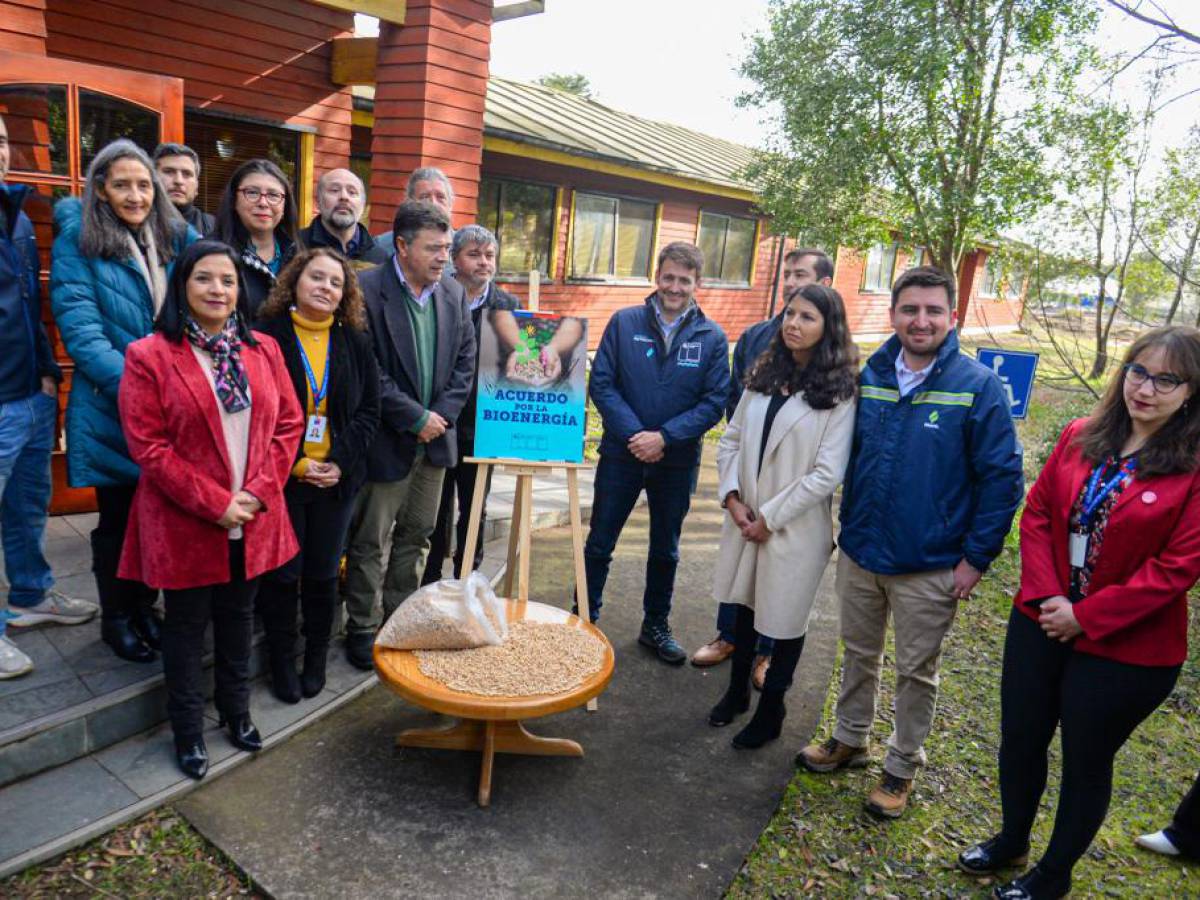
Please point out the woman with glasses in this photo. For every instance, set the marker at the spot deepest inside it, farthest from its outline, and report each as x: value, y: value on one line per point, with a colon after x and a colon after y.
x: 257, y: 217
x: 212, y: 419
x: 112, y: 256
x: 1110, y: 547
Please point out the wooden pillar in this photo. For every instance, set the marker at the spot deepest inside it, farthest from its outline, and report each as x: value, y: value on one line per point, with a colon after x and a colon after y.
x: 430, y: 86
x: 23, y: 26
x: 967, y: 270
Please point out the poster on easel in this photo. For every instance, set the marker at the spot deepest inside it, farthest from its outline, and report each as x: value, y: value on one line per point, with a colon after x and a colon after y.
x: 532, y: 395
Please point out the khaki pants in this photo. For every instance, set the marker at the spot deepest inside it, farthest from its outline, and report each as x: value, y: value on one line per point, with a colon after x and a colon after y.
x: 922, y: 608
x: 402, y: 514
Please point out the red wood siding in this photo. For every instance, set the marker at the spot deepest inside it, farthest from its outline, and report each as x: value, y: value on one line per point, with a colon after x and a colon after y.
x: 733, y: 308
x: 986, y: 314
x: 267, y: 59
x: 23, y: 26
x: 430, y: 84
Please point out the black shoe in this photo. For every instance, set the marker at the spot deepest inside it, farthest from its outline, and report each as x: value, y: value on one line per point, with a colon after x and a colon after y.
x: 118, y: 633
x: 359, y: 646
x: 312, y: 679
x: 659, y: 639
x: 242, y: 733
x: 192, y: 757
x: 733, y: 704
x: 767, y: 723
x: 147, y: 627
x: 285, y: 683
x: 990, y: 856
x: 1034, y: 885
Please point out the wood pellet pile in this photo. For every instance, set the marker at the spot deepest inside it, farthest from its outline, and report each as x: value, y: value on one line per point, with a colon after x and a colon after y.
x: 536, y: 659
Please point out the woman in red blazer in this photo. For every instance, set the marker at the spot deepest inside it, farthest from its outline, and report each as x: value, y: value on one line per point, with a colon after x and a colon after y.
x: 1110, y: 546
x: 211, y: 417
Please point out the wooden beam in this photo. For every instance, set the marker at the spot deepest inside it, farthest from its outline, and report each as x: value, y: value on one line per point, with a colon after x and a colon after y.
x: 384, y: 10
x: 353, y: 60
x: 502, y: 12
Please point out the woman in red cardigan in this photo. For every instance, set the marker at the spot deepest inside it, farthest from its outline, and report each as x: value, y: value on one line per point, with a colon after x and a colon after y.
x: 1110, y: 546
x: 211, y: 417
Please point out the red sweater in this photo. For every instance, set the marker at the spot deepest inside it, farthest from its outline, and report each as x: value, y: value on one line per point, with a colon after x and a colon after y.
x: 1136, y: 611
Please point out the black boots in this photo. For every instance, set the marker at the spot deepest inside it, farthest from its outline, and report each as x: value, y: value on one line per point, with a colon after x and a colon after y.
x: 318, y: 601
x: 277, y: 605
x: 120, y: 602
x: 192, y: 756
x: 242, y: 733
x: 737, y: 696
x: 767, y: 723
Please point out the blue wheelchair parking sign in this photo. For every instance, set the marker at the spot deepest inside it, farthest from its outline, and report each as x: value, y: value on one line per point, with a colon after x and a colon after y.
x: 1016, y: 369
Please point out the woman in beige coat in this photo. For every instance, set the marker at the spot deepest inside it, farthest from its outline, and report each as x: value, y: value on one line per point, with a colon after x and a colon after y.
x: 780, y: 460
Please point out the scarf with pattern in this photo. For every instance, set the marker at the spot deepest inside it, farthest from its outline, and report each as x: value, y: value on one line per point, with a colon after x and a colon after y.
x: 229, y: 375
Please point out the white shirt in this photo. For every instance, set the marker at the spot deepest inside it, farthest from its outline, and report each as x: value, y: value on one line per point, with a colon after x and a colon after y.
x: 425, y: 294
x: 477, y: 302
x: 907, y: 379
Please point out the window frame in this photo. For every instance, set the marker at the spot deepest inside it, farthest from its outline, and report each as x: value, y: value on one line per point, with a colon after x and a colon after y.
x: 992, y: 274
x: 552, y: 239
x: 894, y: 249
x: 568, y: 273
x: 751, y: 263
x: 916, y: 257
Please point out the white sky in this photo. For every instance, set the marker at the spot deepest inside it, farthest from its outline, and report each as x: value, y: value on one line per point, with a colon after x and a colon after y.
x: 677, y: 60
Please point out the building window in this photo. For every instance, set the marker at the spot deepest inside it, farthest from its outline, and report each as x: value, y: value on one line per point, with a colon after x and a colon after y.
x: 1013, y: 284
x: 613, y: 237
x: 224, y: 144
x: 990, y: 285
x: 728, y: 246
x: 916, y: 257
x: 522, y: 218
x: 881, y: 264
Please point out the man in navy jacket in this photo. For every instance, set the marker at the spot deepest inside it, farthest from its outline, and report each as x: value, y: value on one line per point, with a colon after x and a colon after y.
x: 930, y: 492
x: 801, y: 267
x: 660, y: 379
x: 29, y: 380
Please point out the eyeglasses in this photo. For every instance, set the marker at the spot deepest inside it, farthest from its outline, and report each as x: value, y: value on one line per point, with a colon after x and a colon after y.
x: 273, y: 198
x: 1164, y: 382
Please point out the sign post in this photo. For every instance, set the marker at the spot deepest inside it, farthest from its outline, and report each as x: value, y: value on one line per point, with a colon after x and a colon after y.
x: 1016, y: 369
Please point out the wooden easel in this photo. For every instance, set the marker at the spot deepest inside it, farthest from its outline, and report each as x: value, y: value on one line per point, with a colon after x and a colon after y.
x: 520, y: 536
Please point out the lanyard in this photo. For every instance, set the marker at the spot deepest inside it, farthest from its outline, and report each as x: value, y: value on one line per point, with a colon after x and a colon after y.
x: 318, y: 394
x: 1096, y: 493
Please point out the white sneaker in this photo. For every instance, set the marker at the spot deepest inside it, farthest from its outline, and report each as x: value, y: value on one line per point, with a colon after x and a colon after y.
x: 1158, y: 842
x: 55, y: 607
x: 12, y: 661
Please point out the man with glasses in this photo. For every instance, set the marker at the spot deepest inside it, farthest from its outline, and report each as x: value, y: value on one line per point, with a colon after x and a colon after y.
x: 931, y: 489
x: 178, y: 168
x: 340, y: 203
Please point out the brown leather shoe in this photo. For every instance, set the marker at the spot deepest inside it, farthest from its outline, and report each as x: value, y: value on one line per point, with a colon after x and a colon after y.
x: 713, y: 653
x: 832, y: 755
x: 890, y: 797
x: 759, y: 674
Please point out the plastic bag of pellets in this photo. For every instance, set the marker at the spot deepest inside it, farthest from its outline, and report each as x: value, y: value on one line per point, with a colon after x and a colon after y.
x: 447, y: 615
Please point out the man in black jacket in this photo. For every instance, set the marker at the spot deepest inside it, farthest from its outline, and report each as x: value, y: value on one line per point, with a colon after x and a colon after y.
x: 340, y: 200
x: 473, y: 252
x: 420, y: 327
x: 178, y: 168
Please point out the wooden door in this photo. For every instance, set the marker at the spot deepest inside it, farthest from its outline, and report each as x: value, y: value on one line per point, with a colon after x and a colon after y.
x: 59, y: 113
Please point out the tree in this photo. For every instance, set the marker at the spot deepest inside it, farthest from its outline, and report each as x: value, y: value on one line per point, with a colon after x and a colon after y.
x: 1173, y: 234
x: 1157, y: 17
x: 572, y: 83
x: 923, y: 116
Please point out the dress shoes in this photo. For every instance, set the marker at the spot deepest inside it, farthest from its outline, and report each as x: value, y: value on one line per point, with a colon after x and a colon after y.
x: 117, y: 631
x: 147, y: 627
x: 759, y: 675
x: 1035, y: 884
x: 192, y: 757
x: 991, y: 856
x: 713, y: 653
x: 242, y: 733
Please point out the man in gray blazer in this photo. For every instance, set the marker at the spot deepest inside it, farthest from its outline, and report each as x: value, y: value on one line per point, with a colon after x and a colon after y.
x: 420, y: 327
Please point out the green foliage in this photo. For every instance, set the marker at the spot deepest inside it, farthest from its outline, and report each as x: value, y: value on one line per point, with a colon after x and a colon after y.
x: 571, y: 83
x: 927, y: 116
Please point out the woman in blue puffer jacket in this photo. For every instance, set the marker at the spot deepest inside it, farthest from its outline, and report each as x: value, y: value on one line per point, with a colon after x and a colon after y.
x: 111, y: 259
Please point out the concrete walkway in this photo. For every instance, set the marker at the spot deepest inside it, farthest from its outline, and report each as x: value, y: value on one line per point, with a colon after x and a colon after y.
x: 660, y: 806
x: 83, y: 744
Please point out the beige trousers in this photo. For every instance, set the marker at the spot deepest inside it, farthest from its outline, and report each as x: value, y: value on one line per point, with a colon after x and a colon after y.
x: 922, y: 608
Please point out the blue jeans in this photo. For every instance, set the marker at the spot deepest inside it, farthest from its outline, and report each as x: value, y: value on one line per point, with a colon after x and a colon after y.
x: 669, y: 494
x: 727, y: 618
x: 26, y: 439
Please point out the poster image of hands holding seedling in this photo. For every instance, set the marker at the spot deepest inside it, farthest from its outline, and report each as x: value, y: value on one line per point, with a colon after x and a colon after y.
x: 532, y: 392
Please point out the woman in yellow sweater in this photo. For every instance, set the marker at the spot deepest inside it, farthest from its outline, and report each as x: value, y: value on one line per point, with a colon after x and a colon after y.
x: 315, y: 313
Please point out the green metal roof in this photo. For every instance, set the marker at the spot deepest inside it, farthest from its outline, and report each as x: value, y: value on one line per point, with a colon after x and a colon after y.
x: 555, y: 119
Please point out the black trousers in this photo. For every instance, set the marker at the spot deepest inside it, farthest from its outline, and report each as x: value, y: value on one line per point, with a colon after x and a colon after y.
x: 784, y: 657
x: 1097, y: 702
x: 1185, y: 826
x: 320, y: 524
x: 230, y: 608
x: 118, y: 596
x: 460, y: 479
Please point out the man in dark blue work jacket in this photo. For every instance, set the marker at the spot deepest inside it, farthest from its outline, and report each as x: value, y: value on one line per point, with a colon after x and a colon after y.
x: 802, y: 266
x: 931, y: 489
x: 659, y: 380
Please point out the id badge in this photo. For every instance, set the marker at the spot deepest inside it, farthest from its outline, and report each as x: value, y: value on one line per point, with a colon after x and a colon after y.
x: 316, y: 429
x: 1078, y: 548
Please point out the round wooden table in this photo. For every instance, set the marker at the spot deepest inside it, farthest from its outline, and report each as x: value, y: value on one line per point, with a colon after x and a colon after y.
x: 491, y: 725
